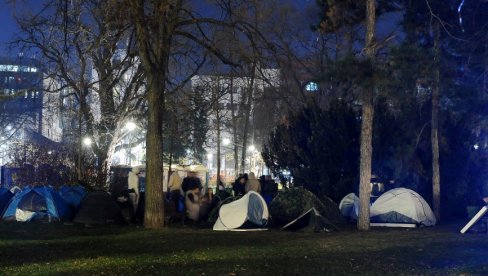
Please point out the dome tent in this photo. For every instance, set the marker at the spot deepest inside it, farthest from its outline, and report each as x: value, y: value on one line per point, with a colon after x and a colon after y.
x: 99, y: 207
x: 291, y: 203
x: 5, y: 196
x: 349, y: 206
x: 38, y: 203
x: 246, y: 213
x: 72, y: 194
x: 310, y: 221
x: 402, y: 205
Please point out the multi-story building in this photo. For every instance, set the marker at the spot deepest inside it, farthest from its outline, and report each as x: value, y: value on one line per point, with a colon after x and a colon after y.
x: 21, y: 90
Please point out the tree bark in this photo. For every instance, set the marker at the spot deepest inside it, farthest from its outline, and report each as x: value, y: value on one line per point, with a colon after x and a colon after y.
x: 234, y: 127
x: 434, y: 134
x: 366, y: 149
x: 218, y: 122
x: 154, y: 205
x: 247, y: 115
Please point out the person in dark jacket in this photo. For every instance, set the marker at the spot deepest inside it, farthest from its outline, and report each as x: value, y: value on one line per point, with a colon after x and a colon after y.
x: 191, y: 182
x: 239, y: 186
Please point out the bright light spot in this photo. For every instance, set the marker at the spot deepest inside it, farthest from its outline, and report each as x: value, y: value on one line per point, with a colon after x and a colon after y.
x: 209, y: 156
x: 312, y: 86
x: 87, y: 141
x: 9, y: 127
x: 251, y: 148
x: 226, y: 141
x: 49, y: 152
x: 130, y: 126
x: 188, y: 151
x: 476, y: 146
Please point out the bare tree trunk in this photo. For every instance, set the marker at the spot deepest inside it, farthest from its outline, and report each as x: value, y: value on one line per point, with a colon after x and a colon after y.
x: 247, y: 115
x: 366, y: 149
x: 218, y: 122
x: 234, y: 127
x: 434, y: 134
x: 154, y: 207
x: 79, y: 168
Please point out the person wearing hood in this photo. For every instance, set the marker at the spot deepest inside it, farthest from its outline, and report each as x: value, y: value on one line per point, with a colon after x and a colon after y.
x: 253, y: 184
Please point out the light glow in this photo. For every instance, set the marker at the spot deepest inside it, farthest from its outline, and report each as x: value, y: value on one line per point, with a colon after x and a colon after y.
x: 226, y: 141
x: 130, y: 126
x: 87, y: 141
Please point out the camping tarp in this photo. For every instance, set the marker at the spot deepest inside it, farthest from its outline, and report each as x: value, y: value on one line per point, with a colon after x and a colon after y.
x: 249, y: 210
x: 349, y: 206
x: 99, y: 207
x: 72, y: 194
x: 310, y: 221
x: 402, y: 205
x: 38, y: 203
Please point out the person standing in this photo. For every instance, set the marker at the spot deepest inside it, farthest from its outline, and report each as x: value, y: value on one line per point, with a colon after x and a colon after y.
x: 174, y: 186
x: 192, y: 188
x: 239, y: 186
x: 253, y: 184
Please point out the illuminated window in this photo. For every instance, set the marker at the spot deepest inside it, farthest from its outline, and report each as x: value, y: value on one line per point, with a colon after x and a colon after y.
x: 312, y: 86
x: 17, y: 68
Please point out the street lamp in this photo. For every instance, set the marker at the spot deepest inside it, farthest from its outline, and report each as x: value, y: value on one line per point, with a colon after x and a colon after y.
x: 130, y: 126
x: 226, y: 141
x: 87, y: 141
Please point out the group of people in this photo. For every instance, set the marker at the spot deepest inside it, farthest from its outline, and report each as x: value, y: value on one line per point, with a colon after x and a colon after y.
x: 196, y: 201
x: 265, y: 185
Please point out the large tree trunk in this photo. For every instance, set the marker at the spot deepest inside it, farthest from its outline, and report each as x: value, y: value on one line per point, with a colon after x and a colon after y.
x: 154, y: 205
x: 434, y: 134
x: 366, y: 149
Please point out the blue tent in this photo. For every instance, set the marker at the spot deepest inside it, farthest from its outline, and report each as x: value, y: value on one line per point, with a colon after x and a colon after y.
x: 5, y: 196
x: 72, y: 194
x: 38, y: 203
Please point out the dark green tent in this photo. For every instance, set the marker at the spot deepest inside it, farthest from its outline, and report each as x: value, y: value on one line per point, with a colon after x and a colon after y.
x: 310, y: 221
x: 99, y: 207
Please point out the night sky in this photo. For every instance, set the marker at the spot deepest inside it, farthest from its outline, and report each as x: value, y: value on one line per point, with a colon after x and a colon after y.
x: 9, y: 29
x: 8, y: 26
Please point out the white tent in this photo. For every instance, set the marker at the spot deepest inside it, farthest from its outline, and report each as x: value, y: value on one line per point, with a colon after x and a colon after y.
x: 402, y: 205
x: 250, y: 208
x: 349, y: 206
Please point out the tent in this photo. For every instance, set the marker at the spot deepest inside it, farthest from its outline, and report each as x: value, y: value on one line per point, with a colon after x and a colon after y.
x: 38, y: 203
x: 247, y: 213
x: 5, y: 196
x: 349, y: 206
x: 99, y: 207
x: 72, y: 194
x: 291, y: 203
x: 402, y: 205
x: 310, y: 221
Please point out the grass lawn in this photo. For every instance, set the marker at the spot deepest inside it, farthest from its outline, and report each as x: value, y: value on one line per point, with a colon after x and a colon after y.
x: 35, y: 248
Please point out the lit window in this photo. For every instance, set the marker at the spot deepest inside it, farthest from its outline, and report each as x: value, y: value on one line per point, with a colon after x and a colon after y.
x: 312, y: 86
x: 16, y: 68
